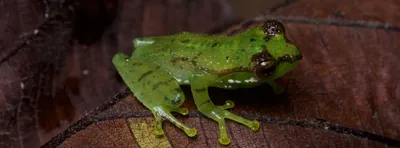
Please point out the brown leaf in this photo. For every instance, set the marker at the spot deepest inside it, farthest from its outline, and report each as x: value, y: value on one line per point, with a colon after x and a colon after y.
x: 142, y: 129
x: 361, y: 10
x: 103, y: 134
x: 49, y: 80
x: 334, y: 97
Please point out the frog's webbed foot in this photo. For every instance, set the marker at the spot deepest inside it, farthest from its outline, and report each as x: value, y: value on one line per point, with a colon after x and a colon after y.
x: 161, y: 113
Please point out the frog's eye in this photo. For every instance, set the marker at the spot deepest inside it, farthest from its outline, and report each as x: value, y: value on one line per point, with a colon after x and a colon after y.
x: 264, y: 64
x: 265, y: 69
x: 273, y: 27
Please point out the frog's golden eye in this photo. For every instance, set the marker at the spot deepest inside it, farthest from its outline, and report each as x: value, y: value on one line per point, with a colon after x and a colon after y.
x: 273, y: 27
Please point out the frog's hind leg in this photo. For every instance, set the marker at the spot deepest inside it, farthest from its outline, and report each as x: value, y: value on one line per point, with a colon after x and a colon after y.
x: 217, y: 113
x: 158, y: 91
x: 166, y: 97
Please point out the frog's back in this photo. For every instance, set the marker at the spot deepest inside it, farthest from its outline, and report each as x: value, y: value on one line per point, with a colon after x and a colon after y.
x: 185, y: 53
x: 167, y: 45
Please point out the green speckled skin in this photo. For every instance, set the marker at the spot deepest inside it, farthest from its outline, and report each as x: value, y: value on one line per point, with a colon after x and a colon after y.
x: 160, y: 65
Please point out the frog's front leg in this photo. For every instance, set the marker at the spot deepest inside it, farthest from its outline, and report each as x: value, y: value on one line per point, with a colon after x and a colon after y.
x: 199, y: 87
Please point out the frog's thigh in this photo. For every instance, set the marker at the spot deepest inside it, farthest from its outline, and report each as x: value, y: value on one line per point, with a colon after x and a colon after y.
x: 153, y: 85
x: 160, y: 93
x: 199, y: 87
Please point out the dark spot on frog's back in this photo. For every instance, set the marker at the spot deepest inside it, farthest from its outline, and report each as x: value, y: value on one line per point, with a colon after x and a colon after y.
x: 179, y: 59
x: 252, y: 40
x: 145, y: 74
x: 136, y: 64
x: 155, y: 86
x: 214, y: 44
x: 185, y: 41
x: 166, y: 98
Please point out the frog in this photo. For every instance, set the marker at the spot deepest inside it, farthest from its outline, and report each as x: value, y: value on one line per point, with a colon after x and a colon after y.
x: 160, y: 65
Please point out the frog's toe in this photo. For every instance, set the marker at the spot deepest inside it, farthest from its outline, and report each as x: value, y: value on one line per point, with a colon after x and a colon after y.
x: 165, y: 114
x: 253, y: 125
x: 219, y: 114
x: 223, y: 137
x: 182, y: 111
x: 158, y: 131
x: 228, y: 105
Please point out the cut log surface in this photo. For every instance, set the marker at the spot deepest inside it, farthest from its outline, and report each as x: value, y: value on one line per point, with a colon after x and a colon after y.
x: 345, y: 92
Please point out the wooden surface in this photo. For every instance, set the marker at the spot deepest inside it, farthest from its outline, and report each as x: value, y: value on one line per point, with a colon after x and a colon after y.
x: 344, y: 93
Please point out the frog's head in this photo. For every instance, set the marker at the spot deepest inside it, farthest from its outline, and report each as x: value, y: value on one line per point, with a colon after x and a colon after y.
x: 278, y: 55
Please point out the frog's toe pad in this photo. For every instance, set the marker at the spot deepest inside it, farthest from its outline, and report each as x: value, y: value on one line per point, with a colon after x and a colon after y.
x: 228, y: 105
x: 224, y: 140
x: 191, y: 132
x: 159, y: 132
x: 254, y: 126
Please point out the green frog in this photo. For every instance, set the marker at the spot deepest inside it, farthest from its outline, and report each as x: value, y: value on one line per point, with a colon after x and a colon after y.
x: 160, y: 65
